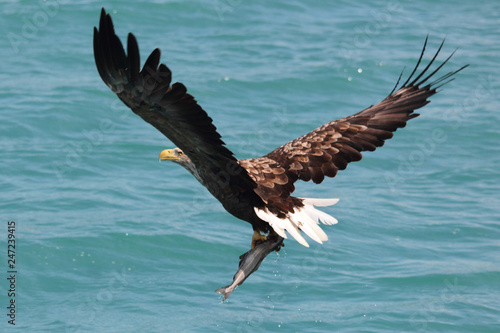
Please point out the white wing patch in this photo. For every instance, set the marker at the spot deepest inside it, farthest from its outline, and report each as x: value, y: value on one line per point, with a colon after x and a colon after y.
x: 304, y: 218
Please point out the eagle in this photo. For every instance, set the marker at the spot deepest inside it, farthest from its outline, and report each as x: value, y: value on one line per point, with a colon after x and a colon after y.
x: 257, y: 190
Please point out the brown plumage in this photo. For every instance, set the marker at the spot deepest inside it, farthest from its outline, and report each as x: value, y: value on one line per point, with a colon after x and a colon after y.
x: 256, y: 190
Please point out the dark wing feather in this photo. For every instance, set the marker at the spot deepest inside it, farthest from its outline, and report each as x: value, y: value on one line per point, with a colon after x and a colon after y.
x: 169, y: 108
x: 329, y: 148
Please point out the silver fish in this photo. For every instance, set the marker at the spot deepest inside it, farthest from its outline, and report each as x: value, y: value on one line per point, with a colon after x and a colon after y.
x: 250, y: 262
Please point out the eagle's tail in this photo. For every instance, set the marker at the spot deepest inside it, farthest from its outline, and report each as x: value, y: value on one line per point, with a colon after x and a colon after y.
x: 305, y: 218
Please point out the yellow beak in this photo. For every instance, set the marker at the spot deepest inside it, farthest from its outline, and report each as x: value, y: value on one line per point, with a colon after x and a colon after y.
x: 167, y: 154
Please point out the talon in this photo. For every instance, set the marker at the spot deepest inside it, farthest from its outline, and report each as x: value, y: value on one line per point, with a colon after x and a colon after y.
x: 272, y: 235
x: 279, y: 247
x: 257, y: 238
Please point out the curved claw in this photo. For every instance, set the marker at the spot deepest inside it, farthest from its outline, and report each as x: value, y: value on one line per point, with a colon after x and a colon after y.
x: 257, y: 238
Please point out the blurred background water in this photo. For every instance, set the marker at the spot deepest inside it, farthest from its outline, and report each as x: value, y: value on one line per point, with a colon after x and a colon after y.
x: 109, y: 240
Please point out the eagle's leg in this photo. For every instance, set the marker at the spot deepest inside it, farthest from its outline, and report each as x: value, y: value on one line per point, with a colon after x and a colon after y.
x: 257, y: 237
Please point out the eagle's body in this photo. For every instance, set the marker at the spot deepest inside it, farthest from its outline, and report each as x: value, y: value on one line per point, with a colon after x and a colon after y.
x: 255, y: 190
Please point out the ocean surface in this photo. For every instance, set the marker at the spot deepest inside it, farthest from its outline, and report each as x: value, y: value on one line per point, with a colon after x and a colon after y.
x: 110, y: 240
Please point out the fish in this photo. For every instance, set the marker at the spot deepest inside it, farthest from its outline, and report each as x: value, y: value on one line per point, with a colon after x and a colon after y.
x: 250, y: 262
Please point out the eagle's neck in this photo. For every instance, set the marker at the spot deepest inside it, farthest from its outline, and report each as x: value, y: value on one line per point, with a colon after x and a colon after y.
x: 192, y: 170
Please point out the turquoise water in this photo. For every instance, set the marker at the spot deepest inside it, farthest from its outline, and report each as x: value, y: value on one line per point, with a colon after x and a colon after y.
x: 109, y: 240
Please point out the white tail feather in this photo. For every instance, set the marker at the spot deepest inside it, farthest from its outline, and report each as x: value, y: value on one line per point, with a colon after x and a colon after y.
x: 304, y: 226
x: 280, y: 232
x: 294, y: 231
x: 320, y: 202
x: 322, y: 217
x: 305, y: 218
x: 313, y: 223
x: 276, y: 223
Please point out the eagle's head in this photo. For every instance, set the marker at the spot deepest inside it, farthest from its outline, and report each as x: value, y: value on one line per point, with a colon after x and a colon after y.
x: 176, y: 155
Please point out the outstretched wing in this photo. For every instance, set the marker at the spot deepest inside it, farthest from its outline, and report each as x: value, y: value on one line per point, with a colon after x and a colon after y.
x: 329, y: 148
x: 169, y: 108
